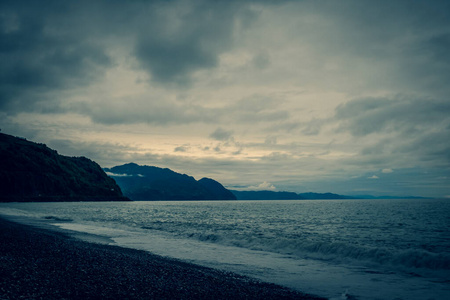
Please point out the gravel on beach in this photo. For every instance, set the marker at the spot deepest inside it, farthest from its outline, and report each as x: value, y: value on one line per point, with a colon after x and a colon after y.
x: 41, y: 264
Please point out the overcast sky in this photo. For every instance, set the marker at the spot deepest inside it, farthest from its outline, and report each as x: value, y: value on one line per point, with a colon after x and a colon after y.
x: 350, y: 97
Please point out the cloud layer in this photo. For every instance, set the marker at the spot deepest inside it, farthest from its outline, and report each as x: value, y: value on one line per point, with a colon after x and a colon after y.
x: 348, y: 96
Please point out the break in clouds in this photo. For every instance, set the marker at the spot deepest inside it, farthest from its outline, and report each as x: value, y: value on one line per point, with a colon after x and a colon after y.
x: 292, y: 95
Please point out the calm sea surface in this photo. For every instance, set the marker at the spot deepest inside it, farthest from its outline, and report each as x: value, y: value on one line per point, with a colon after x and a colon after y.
x: 368, y: 249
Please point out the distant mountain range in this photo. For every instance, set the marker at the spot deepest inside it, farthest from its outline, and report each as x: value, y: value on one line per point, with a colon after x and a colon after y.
x: 387, y: 197
x: 272, y: 195
x: 153, y: 183
x: 34, y: 172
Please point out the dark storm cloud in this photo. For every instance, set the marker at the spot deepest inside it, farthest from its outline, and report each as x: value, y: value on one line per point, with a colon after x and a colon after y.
x: 42, y: 51
x: 377, y: 29
x: 408, y: 39
x: 53, y: 46
x: 49, y: 46
x: 185, y: 39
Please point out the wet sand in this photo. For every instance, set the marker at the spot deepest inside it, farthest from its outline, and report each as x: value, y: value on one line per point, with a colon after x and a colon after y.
x: 37, y: 263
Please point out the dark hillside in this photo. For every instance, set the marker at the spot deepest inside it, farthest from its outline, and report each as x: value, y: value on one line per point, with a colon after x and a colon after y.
x: 217, y: 189
x: 153, y: 183
x: 34, y: 172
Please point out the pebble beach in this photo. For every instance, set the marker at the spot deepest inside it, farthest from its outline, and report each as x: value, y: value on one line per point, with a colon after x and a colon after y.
x: 37, y: 263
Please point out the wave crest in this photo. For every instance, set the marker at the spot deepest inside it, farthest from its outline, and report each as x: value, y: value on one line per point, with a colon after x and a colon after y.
x: 412, y: 258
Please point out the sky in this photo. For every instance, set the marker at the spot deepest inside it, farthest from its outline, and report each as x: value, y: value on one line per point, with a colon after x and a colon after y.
x: 349, y: 97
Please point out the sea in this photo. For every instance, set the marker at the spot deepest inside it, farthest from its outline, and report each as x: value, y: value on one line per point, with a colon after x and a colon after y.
x: 339, y: 249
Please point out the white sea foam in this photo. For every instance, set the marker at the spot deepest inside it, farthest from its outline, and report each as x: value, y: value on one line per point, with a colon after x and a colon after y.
x: 338, y: 251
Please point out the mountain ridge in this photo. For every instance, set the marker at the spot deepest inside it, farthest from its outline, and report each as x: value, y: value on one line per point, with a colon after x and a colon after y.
x: 34, y: 172
x: 142, y: 183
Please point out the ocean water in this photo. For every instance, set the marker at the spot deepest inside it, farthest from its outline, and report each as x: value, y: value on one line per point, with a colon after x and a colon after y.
x: 340, y: 249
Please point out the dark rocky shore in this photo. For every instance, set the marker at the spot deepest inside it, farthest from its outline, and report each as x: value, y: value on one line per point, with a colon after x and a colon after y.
x: 40, y: 264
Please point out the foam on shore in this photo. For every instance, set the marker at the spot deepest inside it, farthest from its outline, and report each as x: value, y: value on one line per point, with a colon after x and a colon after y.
x: 40, y: 263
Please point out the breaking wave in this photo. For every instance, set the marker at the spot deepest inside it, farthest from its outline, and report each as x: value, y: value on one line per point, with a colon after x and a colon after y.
x: 337, y: 251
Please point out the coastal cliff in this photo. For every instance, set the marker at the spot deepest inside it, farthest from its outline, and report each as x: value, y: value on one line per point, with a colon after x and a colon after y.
x: 33, y: 172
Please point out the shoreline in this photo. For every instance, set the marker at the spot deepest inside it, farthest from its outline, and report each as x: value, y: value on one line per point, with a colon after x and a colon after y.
x: 40, y: 263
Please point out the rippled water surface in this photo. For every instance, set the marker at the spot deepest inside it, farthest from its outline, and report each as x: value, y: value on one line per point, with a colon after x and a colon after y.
x: 399, y: 246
